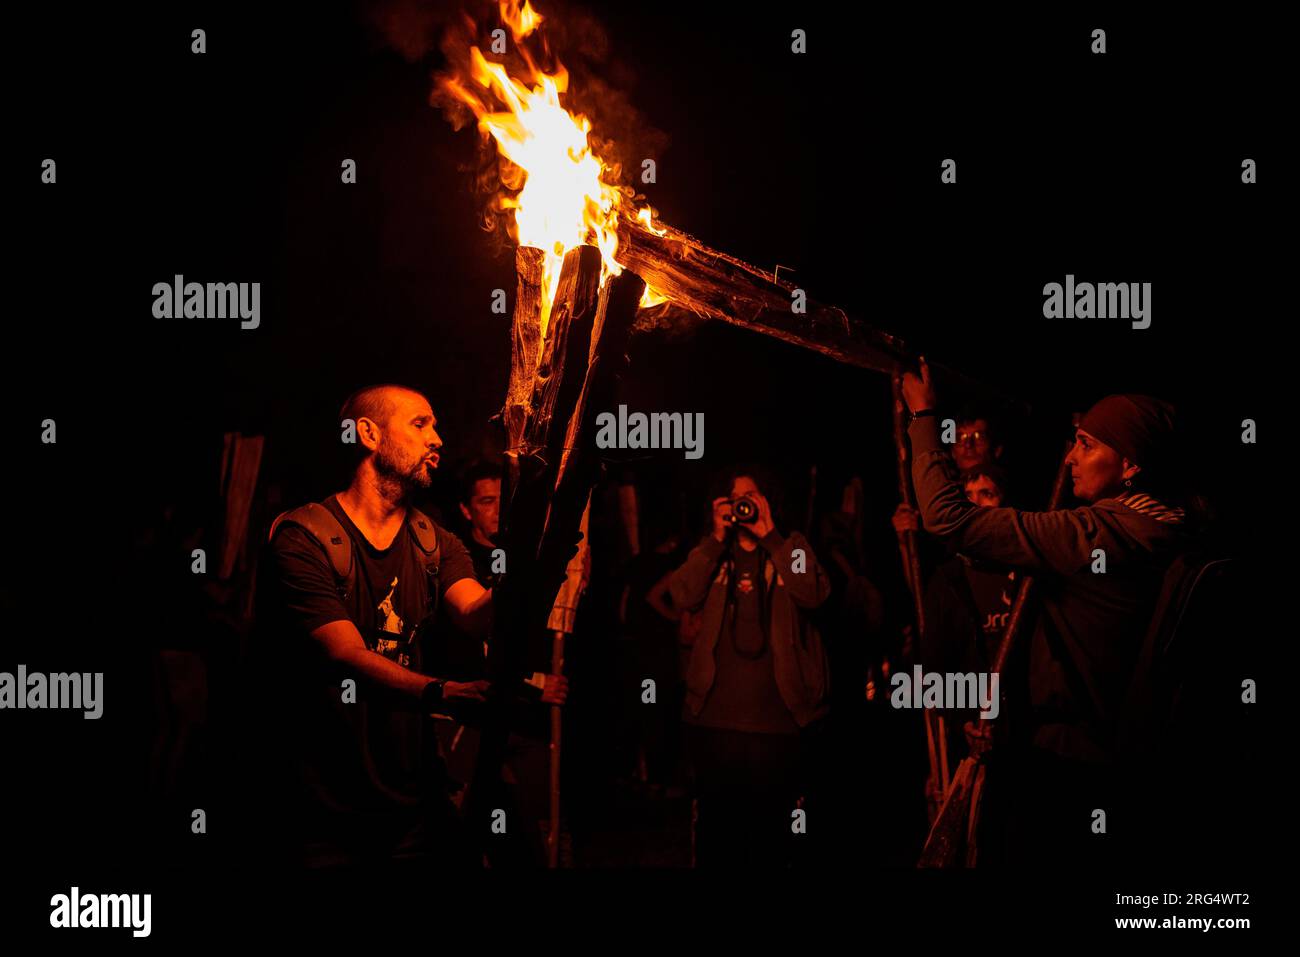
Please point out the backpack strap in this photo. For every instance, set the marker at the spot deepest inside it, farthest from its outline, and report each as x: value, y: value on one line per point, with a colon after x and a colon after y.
x: 425, y: 535
x: 320, y: 523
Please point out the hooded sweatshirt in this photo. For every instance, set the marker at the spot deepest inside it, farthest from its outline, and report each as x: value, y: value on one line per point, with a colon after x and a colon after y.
x: 1085, y: 646
x: 798, y: 657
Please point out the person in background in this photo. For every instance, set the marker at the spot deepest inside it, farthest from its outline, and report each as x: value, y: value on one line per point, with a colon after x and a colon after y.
x: 1100, y: 569
x: 757, y: 674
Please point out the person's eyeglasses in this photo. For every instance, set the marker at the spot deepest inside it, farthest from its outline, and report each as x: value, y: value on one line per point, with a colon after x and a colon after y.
x: 972, y: 438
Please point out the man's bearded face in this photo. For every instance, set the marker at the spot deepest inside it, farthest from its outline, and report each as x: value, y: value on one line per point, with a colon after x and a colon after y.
x: 408, y: 446
x: 409, y: 468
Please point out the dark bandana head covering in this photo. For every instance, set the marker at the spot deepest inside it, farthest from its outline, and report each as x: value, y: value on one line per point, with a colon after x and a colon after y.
x: 1138, y: 427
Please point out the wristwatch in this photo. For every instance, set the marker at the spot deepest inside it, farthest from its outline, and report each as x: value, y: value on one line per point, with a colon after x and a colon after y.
x: 913, y: 416
x: 431, y: 697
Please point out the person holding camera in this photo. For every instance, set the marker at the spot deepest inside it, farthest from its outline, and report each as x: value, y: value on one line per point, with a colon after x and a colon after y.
x: 757, y: 676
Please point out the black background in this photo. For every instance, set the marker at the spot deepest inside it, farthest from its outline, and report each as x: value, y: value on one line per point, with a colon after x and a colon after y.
x: 225, y: 167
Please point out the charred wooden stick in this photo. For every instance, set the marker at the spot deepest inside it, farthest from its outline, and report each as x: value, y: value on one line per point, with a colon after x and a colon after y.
x: 561, y: 623
x: 525, y: 346
x: 240, y: 461
x: 525, y: 341
x: 935, y: 746
x: 715, y: 285
x: 555, y: 388
x: 942, y: 728
x: 933, y: 799
x: 540, y: 426
x: 557, y: 728
x: 562, y: 367
x: 580, y: 467
x: 560, y: 559
x: 709, y: 284
x: 523, y: 600
x: 907, y: 540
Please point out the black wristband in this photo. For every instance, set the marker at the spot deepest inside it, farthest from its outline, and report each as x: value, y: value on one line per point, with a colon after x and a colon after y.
x: 913, y: 416
x: 431, y: 697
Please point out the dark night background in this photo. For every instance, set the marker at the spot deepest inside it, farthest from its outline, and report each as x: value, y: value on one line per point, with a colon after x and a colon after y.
x: 225, y: 167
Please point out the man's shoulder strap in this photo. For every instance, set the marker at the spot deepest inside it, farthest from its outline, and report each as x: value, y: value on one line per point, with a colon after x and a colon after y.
x: 425, y: 533
x: 319, y: 522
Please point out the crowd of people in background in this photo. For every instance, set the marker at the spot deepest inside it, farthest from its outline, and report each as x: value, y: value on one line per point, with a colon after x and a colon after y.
x: 769, y: 636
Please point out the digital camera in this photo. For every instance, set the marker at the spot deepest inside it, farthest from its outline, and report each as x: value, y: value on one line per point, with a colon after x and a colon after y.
x: 743, y: 510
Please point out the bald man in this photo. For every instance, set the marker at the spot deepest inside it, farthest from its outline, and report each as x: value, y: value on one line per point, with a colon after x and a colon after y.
x: 350, y: 588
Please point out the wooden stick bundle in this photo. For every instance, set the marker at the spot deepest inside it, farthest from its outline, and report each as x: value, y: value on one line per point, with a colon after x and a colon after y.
x: 558, y: 384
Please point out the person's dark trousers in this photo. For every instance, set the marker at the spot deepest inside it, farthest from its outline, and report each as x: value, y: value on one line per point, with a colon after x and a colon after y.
x: 432, y: 836
x: 1053, y: 813
x: 816, y: 766
x: 660, y: 723
x: 439, y: 838
x: 527, y: 767
x: 747, y: 786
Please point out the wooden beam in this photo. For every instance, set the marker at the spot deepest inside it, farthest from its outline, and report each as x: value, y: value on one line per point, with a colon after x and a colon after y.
x: 714, y: 285
x: 525, y: 342
x: 556, y: 387
x: 523, y: 600
x: 580, y: 467
x: 702, y: 283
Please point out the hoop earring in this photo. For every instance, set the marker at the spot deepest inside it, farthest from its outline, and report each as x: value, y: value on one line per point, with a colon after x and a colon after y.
x: 1128, y: 483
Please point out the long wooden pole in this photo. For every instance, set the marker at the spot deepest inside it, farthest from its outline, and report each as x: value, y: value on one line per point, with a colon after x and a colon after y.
x: 563, y: 616
x: 907, y: 540
x: 557, y: 727
x: 934, y: 730
x: 552, y: 464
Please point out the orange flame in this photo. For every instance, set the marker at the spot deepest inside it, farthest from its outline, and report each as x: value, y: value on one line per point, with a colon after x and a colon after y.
x: 522, y: 20
x: 568, y: 195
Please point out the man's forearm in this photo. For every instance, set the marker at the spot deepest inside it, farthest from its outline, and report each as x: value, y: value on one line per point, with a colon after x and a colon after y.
x: 470, y: 606
x: 385, y: 673
x: 478, y: 616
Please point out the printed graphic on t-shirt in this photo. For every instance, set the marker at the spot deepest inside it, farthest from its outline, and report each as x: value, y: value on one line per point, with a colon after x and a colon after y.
x: 996, y: 621
x: 745, y: 583
x: 394, y: 648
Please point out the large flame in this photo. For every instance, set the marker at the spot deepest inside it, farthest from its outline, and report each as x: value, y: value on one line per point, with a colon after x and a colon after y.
x: 561, y: 194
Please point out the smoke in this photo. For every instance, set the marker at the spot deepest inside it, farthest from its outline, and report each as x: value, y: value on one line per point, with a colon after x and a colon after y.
x: 411, y: 27
x: 443, y: 32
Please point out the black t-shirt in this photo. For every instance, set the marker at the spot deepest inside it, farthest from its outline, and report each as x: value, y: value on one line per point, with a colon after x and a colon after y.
x: 966, y: 612
x: 483, y: 558
x: 994, y: 593
x: 452, y: 653
x: 967, y: 607
x: 366, y: 769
